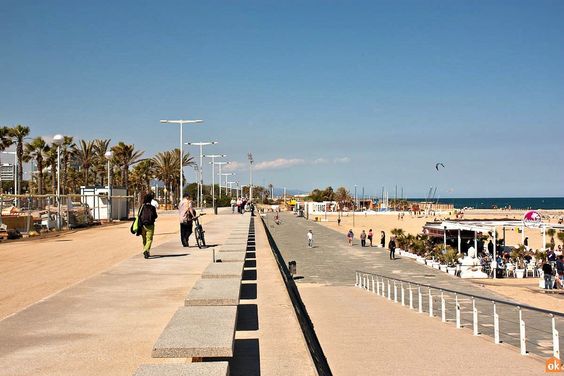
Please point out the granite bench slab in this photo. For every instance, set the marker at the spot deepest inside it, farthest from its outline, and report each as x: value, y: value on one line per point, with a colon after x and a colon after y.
x: 189, y: 369
x: 224, y: 270
x: 231, y: 256
x: 214, y: 292
x: 232, y: 248
x: 198, y: 332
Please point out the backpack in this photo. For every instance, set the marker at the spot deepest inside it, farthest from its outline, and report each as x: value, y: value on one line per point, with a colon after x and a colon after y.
x: 146, y: 216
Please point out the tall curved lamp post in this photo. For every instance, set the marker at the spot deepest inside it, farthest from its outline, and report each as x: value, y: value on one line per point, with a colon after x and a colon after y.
x: 201, y: 170
x: 181, y: 123
x: 213, y: 157
x: 109, y: 155
x: 58, y: 140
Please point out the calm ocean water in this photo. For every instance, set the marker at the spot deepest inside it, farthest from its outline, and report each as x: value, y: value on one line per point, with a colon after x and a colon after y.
x: 500, y: 202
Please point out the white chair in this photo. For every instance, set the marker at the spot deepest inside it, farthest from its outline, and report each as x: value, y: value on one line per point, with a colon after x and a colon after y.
x: 509, y: 269
x: 530, y: 269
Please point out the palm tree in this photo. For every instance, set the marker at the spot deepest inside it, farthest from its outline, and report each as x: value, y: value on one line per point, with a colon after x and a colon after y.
x: 37, y: 149
x: 561, y: 236
x: 67, y: 148
x: 551, y: 232
x: 19, y: 132
x: 51, y: 160
x: 84, y: 154
x: 5, y: 139
x: 100, y: 148
x: 144, y: 171
x: 124, y: 156
x: 167, y: 166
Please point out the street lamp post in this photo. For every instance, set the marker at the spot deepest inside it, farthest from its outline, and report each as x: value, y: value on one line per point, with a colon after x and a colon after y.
x: 213, y: 163
x: 250, y: 156
x: 181, y: 123
x: 354, y: 203
x: 201, y: 170
x: 109, y: 155
x: 226, y: 174
x: 58, y: 140
x: 219, y: 164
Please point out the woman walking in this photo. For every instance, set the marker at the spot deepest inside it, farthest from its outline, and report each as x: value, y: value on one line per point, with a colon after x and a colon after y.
x: 370, y: 235
x: 350, y: 236
x: 147, y: 219
x: 383, y: 239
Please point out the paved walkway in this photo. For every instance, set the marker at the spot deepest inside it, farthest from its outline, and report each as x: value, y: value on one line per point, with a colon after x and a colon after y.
x: 332, y: 262
x: 108, y: 324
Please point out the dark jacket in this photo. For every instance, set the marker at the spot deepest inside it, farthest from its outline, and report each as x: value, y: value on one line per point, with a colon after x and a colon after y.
x: 148, y: 215
x: 392, y: 245
x: 547, y: 269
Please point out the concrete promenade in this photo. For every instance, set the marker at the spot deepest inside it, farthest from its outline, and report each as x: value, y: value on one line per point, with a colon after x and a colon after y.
x: 362, y: 332
x: 108, y: 324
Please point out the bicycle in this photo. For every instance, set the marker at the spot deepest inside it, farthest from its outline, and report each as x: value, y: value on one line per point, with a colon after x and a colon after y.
x: 199, y: 232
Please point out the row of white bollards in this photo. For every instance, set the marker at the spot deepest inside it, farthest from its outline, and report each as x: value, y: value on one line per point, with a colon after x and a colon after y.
x: 377, y: 284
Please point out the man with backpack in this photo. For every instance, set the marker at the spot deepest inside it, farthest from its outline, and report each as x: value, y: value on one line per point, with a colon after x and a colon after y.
x: 186, y: 214
x: 147, y: 217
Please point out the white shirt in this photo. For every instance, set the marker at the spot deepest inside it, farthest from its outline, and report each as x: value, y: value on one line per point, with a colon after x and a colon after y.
x: 310, y: 236
x: 155, y: 203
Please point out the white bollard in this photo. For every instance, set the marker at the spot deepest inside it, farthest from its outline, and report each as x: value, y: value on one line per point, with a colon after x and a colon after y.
x: 496, y: 325
x: 410, y: 297
x: 420, y: 299
x: 395, y: 292
x: 443, y: 307
x: 389, y: 290
x: 402, y: 294
x: 474, y: 316
x: 457, y: 311
x: 522, y: 337
x: 377, y: 286
x: 430, y: 304
x: 373, y: 286
x: 555, y: 340
x: 356, y: 279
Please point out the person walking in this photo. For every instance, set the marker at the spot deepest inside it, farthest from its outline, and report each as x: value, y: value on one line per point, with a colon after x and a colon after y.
x: 370, y: 235
x: 310, y: 239
x: 350, y: 236
x: 363, y: 239
x: 547, y: 270
x: 147, y: 218
x: 392, y: 247
x: 339, y: 221
x: 383, y: 239
x: 186, y: 214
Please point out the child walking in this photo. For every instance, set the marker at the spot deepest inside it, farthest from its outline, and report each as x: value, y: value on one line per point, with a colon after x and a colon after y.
x: 310, y: 239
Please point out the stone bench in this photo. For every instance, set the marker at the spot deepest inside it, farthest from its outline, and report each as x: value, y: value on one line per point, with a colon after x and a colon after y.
x: 224, y: 270
x: 232, y: 248
x: 230, y: 256
x: 189, y: 369
x: 214, y: 292
x: 198, y: 332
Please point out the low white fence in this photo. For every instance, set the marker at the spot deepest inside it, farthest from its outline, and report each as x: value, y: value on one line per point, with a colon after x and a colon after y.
x: 529, y: 328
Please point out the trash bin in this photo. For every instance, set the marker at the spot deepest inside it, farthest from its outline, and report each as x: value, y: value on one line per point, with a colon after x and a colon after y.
x: 292, y: 267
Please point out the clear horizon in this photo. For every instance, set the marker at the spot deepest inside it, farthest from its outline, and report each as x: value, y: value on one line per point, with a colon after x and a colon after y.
x: 323, y: 94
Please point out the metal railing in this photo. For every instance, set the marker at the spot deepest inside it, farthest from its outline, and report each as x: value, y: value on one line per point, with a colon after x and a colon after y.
x: 531, y: 329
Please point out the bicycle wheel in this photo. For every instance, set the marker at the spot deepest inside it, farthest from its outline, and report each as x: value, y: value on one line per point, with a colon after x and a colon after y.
x: 197, y: 236
x: 202, y: 238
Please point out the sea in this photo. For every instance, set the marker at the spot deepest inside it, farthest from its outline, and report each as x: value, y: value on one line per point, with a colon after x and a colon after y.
x: 504, y: 202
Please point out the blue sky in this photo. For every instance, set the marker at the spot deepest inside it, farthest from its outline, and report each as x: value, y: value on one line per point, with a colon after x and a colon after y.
x: 372, y: 93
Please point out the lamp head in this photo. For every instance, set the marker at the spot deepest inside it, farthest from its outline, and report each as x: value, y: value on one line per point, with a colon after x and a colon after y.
x: 58, y: 139
x: 108, y: 155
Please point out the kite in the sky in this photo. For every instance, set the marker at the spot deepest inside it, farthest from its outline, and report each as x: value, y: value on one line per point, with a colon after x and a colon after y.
x: 439, y: 164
